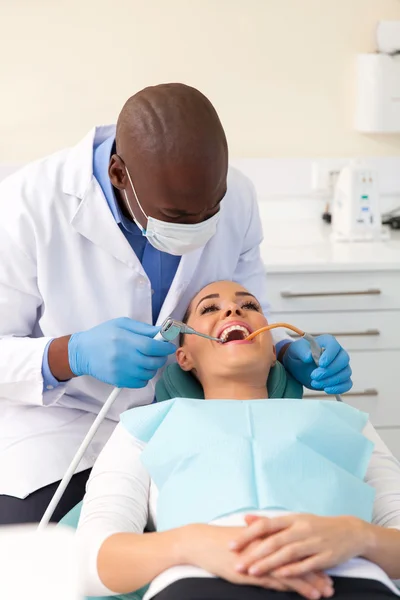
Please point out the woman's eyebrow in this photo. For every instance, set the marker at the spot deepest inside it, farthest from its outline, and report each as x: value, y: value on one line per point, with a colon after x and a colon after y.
x: 245, y: 294
x: 207, y: 298
x: 217, y: 296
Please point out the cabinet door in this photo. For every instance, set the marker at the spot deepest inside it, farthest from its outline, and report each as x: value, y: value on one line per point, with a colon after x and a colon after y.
x: 376, y: 386
x: 309, y: 292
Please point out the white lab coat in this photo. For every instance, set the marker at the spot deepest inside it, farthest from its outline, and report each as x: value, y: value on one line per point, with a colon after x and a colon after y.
x: 65, y: 266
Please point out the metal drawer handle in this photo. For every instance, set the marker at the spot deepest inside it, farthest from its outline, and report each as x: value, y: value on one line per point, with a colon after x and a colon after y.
x: 366, y: 333
x: 371, y: 292
x: 369, y: 392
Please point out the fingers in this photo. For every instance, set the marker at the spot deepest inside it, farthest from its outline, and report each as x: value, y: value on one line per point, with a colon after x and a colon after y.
x: 340, y: 389
x: 319, y: 579
x: 137, y: 326
x: 150, y: 347
x: 265, y: 547
x: 338, y: 379
x: 149, y: 363
x: 317, y: 562
x: 338, y: 364
x: 319, y: 582
x: 300, y: 350
x: 332, y: 349
x: 310, y: 586
x: 269, y: 583
x: 259, y: 529
x: 286, y: 555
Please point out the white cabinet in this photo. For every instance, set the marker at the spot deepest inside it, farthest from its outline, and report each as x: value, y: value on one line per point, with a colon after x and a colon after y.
x: 362, y: 309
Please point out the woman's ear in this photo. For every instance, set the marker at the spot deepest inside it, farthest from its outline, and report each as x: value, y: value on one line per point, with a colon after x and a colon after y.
x: 184, y: 359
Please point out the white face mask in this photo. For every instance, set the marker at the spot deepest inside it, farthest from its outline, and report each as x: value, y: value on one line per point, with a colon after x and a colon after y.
x: 174, y: 238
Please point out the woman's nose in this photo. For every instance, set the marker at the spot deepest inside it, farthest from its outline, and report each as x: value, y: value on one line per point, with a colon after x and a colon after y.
x: 233, y: 309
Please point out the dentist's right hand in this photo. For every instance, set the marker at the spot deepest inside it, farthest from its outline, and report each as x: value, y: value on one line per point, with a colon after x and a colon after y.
x: 121, y: 352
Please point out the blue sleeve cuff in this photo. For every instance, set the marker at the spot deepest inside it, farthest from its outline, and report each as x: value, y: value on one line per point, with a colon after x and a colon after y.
x: 279, y: 345
x: 49, y: 381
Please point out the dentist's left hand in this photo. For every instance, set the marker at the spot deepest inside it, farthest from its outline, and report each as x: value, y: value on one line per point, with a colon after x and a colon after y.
x: 333, y: 376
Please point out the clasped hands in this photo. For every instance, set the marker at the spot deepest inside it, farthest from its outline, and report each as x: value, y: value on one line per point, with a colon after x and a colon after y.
x: 294, y: 550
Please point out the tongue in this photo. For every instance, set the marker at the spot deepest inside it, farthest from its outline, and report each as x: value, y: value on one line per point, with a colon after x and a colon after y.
x: 235, y: 335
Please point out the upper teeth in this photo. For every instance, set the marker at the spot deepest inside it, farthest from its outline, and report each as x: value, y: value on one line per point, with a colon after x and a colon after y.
x: 227, y: 331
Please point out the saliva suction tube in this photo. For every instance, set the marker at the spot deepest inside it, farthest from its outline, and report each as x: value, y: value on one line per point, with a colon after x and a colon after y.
x: 169, y: 331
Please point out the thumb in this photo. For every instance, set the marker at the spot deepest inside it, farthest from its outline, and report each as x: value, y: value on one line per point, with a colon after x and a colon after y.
x: 137, y: 327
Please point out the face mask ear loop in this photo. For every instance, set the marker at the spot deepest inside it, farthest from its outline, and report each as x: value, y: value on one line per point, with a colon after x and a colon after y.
x: 134, y: 193
x: 130, y: 209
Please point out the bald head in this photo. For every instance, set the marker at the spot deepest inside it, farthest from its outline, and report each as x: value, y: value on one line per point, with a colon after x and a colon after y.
x: 170, y: 122
x: 171, y: 142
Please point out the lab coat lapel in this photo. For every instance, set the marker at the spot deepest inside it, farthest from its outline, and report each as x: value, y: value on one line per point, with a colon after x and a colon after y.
x: 94, y: 220
x: 184, y: 274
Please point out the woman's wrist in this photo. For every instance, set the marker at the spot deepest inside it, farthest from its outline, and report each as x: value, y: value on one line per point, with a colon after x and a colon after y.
x: 367, y: 538
x: 186, y: 543
x: 382, y: 547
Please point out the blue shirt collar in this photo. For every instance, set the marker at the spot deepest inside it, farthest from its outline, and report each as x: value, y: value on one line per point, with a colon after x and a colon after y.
x: 101, y: 159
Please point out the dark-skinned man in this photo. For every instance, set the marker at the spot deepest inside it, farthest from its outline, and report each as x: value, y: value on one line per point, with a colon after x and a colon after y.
x: 99, y: 244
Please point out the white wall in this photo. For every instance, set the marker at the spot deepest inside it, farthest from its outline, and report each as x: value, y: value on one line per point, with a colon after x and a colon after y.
x: 278, y: 71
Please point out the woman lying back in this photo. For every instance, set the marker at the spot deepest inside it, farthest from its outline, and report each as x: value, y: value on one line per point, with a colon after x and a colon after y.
x: 217, y: 498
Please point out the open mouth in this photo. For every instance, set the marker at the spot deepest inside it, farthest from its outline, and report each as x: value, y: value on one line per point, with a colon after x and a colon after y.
x: 234, y: 333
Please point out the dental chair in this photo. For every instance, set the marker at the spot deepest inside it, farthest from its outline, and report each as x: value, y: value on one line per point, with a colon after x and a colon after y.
x: 176, y: 383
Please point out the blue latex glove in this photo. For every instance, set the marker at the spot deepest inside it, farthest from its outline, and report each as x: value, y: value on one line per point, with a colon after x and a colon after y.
x: 120, y: 352
x: 333, y: 376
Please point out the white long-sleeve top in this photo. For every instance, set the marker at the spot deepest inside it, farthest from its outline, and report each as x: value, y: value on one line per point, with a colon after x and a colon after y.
x: 121, y: 497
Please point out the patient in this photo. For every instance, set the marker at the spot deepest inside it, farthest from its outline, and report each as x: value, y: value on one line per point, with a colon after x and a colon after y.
x: 252, y: 556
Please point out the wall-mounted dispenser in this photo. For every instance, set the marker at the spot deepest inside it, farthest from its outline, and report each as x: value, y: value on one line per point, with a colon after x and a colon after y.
x: 378, y: 83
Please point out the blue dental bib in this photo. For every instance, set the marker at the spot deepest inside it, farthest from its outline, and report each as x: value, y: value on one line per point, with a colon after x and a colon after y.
x: 210, y: 458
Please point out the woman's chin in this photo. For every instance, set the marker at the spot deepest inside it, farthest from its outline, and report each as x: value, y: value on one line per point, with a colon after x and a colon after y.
x: 244, y: 356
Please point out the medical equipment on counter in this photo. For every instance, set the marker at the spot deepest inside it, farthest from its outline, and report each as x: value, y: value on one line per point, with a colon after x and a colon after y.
x: 356, y: 214
x: 392, y: 218
x: 170, y: 330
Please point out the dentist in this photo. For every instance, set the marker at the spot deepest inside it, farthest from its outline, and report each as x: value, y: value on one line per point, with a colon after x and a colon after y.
x: 99, y: 243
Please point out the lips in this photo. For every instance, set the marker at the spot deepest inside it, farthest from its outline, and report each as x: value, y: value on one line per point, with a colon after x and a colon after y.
x: 229, y: 324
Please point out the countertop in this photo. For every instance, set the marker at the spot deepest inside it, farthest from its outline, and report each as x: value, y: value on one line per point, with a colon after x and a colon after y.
x: 296, y: 239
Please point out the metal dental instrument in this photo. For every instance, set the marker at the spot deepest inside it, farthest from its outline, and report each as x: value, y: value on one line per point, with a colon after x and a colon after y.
x: 171, y: 329
x: 316, y: 350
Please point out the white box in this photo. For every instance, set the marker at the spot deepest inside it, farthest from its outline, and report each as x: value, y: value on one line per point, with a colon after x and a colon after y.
x: 378, y: 94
